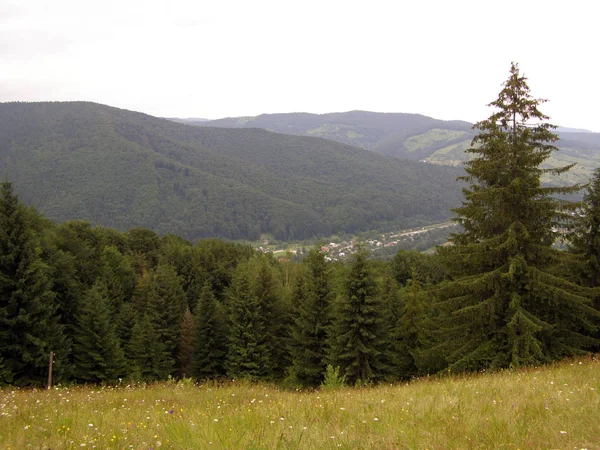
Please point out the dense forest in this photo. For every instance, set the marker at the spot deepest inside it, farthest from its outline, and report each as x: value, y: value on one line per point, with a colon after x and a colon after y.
x: 141, y: 306
x: 122, y: 169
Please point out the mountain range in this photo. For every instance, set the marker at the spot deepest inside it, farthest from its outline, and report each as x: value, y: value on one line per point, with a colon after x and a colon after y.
x: 415, y: 137
x: 123, y: 169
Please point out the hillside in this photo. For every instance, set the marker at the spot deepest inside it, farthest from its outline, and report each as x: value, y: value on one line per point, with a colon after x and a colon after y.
x: 415, y: 137
x: 122, y: 169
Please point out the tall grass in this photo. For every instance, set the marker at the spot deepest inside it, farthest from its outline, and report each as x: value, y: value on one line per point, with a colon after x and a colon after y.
x: 554, y: 407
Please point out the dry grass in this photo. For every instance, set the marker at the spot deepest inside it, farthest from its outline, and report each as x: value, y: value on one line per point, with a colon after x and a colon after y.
x: 554, y: 407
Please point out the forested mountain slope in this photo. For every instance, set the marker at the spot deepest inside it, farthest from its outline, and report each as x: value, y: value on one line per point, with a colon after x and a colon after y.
x: 414, y: 137
x: 118, y: 168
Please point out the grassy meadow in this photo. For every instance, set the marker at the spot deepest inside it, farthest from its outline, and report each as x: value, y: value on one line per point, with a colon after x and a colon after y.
x: 553, y: 407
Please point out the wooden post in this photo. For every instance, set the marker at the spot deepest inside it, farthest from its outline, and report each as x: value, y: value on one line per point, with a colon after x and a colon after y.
x: 50, y: 370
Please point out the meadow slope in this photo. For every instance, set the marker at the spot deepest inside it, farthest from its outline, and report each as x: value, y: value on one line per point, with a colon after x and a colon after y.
x: 553, y: 407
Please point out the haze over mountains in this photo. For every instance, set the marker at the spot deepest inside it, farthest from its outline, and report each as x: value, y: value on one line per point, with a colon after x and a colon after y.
x: 414, y: 137
x: 117, y: 168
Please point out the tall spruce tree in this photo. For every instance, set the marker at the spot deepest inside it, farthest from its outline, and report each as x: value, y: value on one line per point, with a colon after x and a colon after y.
x: 586, y: 244
x: 586, y: 234
x: 29, y: 323
x: 274, y: 313
x: 166, y: 309
x: 504, y: 307
x: 186, y: 344
x: 359, y: 331
x: 248, y: 355
x: 146, y: 354
x: 210, y: 338
x: 408, y: 334
x: 97, y: 352
x: 311, y: 302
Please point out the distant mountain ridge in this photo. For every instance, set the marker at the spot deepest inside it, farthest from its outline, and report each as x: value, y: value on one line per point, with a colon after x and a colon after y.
x: 415, y: 137
x: 118, y: 168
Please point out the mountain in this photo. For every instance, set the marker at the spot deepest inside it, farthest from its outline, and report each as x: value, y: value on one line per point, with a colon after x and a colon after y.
x: 416, y: 137
x: 117, y: 168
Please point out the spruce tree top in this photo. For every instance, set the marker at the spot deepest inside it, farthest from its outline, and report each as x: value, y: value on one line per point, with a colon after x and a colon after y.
x: 504, y: 176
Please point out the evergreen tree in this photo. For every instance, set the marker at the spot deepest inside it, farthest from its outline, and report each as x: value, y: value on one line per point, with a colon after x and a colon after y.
x: 359, y: 332
x: 186, y: 344
x: 586, y: 235
x: 148, y: 358
x: 98, y: 355
x: 167, y: 304
x: 248, y: 355
x: 210, y: 341
x: 504, y: 307
x: 29, y: 323
x: 311, y: 302
x: 274, y: 315
x: 586, y: 244
x: 409, y: 332
x: 117, y: 277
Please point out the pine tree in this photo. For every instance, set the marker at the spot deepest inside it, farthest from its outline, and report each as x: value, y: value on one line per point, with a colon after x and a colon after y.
x: 29, y: 323
x: 248, y: 355
x: 166, y: 306
x: 117, y: 277
x: 274, y: 314
x: 409, y: 332
x: 98, y: 355
x: 210, y: 338
x: 186, y: 344
x: 586, y: 244
x: 311, y: 302
x: 359, y: 335
x: 586, y: 235
x: 148, y: 358
x: 504, y: 306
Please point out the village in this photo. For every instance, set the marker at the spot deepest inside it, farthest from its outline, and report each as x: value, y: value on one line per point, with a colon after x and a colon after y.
x: 379, y: 244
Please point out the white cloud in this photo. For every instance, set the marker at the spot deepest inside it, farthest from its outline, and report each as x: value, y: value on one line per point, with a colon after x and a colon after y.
x: 227, y: 58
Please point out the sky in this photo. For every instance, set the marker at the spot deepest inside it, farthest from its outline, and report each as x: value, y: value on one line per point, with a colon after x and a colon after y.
x: 228, y: 58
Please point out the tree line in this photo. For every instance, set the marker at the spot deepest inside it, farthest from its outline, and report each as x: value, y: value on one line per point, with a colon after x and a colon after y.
x: 136, y: 305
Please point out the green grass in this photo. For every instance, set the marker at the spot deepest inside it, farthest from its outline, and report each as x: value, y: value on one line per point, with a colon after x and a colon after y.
x: 537, y: 408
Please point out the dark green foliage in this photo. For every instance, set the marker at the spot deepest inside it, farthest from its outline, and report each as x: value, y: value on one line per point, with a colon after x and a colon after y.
x: 117, y: 278
x: 249, y: 354
x: 210, y: 338
x: 427, y: 269
x: 186, y: 345
x: 504, y: 308
x: 311, y: 301
x: 409, y: 333
x: 359, y: 333
x: 167, y: 305
x: 29, y: 323
x: 98, y: 356
x: 586, y: 236
x: 123, y: 169
x: 146, y: 354
x: 275, y: 314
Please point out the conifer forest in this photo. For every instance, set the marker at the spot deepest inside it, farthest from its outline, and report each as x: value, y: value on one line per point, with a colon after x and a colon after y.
x: 517, y: 285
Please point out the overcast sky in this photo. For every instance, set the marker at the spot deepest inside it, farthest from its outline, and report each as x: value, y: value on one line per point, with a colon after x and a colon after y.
x: 220, y: 58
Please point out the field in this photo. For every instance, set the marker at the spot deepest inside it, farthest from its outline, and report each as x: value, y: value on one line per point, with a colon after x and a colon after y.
x: 554, y: 407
